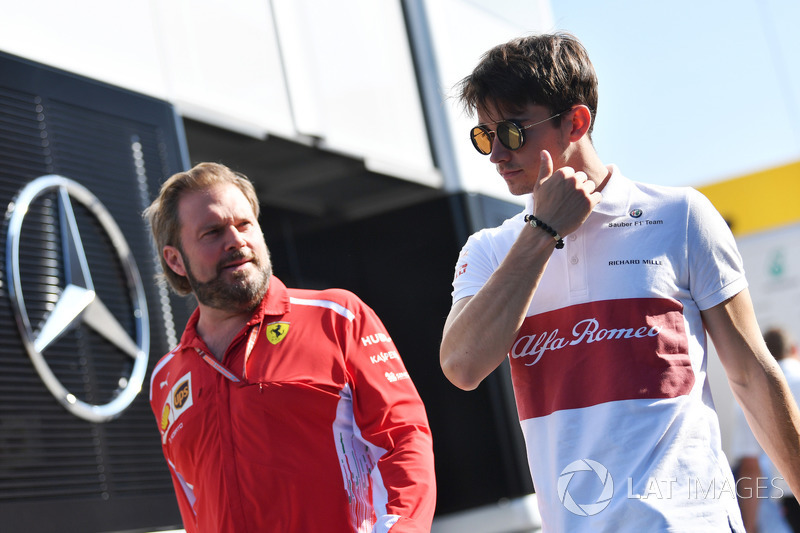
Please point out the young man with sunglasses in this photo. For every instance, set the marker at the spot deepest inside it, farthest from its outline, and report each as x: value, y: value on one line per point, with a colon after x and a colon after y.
x: 600, y: 294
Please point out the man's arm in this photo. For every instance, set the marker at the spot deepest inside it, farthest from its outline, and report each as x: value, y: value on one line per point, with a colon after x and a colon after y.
x: 183, y: 490
x: 390, y: 415
x: 185, y: 497
x: 757, y: 383
x: 480, y: 329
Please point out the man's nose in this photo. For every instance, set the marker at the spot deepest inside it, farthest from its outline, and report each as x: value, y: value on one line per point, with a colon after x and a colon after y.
x: 235, y: 238
x: 499, y: 152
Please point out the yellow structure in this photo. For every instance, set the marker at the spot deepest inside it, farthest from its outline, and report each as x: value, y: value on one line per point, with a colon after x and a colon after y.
x: 760, y: 201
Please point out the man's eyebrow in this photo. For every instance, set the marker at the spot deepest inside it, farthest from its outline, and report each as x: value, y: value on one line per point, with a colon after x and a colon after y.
x: 209, y: 226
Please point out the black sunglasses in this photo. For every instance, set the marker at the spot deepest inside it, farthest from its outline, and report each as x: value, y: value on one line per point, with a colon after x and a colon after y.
x: 509, y: 133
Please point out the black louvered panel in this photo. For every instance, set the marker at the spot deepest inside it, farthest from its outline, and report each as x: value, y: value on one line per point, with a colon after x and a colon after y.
x: 23, y: 142
x: 120, y: 147
x: 40, y: 268
x: 135, y: 450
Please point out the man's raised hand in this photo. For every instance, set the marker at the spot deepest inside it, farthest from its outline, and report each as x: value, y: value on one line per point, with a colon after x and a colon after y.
x: 564, y: 198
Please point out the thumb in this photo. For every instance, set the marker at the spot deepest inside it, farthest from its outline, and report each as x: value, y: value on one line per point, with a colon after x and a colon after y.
x: 545, y: 169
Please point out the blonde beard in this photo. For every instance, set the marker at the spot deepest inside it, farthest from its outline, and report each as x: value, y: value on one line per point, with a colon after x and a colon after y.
x: 242, y: 294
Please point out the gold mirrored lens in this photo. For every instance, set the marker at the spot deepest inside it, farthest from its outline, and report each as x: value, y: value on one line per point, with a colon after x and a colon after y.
x: 510, y: 135
x: 481, y: 140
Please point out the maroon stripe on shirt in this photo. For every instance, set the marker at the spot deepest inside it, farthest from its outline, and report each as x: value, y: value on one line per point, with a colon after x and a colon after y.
x: 599, y: 352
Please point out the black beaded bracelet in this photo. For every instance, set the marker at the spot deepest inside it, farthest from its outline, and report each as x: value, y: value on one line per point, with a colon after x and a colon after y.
x: 536, y: 223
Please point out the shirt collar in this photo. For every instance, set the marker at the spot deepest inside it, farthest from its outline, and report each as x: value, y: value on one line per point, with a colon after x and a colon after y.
x: 274, y: 303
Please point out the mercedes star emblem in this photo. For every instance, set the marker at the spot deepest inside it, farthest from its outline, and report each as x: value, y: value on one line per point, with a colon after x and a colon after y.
x: 77, y: 303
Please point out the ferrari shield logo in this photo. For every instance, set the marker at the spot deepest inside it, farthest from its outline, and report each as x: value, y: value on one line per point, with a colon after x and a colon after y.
x: 277, y: 331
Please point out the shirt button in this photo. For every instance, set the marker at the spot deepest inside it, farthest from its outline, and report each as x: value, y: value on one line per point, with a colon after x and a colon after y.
x: 574, y: 259
x: 572, y: 237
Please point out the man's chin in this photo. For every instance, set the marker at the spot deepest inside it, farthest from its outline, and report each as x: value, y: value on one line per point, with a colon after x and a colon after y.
x: 236, y: 296
x: 518, y: 187
x: 518, y: 190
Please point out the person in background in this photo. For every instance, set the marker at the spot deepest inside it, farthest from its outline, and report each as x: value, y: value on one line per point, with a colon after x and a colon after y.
x: 280, y: 409
x: 600, y: 293
x: 766, y: 500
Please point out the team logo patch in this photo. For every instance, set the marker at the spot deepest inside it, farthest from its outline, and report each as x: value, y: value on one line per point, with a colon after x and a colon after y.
x: 182, y: 394
x: 177, y: 402
x: 636, y: 213
x: 277, y: 331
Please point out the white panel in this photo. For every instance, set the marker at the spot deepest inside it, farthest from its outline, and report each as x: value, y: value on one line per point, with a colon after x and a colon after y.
x: 772, y: 263
x: 352, y: 82
x: 114, y: 42
x: 341, y: 72
x: 217, y: 61
x: 223, y: 65
x: 462, y: 31
x: 303, y: 75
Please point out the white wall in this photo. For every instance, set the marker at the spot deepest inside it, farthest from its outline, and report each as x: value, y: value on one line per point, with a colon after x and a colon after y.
x: 339, y: 74
x: 462, y: 31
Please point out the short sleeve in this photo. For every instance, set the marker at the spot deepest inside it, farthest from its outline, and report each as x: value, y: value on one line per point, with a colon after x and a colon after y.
x: 472, y: 270
x: 482, y: 254
x: 716, y: 271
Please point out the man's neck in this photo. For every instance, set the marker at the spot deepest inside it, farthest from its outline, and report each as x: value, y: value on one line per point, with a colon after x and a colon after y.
x: 218, y: 328
x: 583, y: 157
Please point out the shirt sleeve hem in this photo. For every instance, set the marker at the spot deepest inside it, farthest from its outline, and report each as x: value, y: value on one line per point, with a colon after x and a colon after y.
x: 728, y: 291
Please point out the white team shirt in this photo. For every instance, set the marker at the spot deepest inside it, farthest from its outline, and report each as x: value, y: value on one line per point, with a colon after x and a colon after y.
x: 609, y: 367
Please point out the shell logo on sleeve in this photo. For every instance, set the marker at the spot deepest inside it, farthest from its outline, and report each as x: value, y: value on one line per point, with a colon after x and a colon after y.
x: 165, y: 417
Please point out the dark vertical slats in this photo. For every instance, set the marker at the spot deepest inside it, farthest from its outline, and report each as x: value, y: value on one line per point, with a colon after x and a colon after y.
x: 46, y: 453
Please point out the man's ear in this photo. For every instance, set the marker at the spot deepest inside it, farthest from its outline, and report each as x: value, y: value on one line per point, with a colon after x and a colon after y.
x: 579, y: 120
x: 174, y: 260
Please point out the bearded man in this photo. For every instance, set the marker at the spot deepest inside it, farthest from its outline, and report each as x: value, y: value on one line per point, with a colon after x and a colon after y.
x: 275, y: 413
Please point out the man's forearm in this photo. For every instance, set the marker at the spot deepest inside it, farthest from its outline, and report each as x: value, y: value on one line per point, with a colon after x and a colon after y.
x: 773, y: 416
x: 480, y: 330
x: 757, y: 383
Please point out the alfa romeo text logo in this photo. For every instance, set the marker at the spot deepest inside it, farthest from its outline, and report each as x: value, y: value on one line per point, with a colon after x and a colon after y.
x: 585, y: 477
